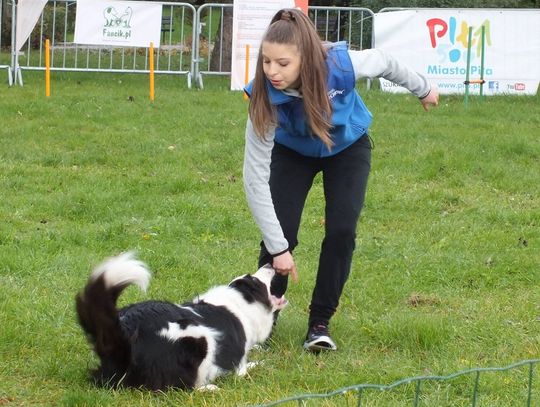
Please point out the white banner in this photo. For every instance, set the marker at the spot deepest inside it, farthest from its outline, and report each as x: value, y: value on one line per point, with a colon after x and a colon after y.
x: 119, y: 23
x: 434, y: 42
x: 250, y: 21
x: 28, y: 12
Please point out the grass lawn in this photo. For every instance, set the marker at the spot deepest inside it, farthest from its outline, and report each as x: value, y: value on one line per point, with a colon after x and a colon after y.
x: 445, y: 276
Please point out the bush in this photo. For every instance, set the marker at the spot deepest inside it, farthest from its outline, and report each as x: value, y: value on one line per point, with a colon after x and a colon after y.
x: 377, y: 5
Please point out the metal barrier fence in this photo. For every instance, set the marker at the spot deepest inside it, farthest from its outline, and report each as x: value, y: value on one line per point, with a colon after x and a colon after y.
x: 214, y: 29
x: 194, y: 42
x: 5, y: 62
x: 57, y: 22
x: 472, y: 398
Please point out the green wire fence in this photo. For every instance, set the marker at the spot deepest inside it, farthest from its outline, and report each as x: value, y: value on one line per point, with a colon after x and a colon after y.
x: 418, y: 381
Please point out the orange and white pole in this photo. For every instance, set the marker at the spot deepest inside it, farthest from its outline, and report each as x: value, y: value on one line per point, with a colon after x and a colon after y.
x: 47, y: 68
x: 246, y: 73
x: 151, y: 63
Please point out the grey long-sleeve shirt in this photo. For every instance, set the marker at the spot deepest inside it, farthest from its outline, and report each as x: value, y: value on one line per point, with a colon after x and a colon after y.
x: 371, y: 63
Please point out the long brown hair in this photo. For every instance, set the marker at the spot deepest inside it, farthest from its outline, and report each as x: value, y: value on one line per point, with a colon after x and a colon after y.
x: 293, y: 27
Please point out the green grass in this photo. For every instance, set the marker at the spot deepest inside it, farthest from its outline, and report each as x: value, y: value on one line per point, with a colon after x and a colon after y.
x: 445, y: 276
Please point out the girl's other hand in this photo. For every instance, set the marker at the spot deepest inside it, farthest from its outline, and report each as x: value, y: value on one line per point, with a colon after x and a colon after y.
x: 432, y: 99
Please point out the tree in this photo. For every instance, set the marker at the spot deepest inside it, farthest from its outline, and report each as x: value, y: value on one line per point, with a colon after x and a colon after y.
x: 222, y: 52
x: 5, y: 24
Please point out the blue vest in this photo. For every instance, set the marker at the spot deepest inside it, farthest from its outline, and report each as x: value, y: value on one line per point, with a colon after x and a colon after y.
x: 350, y: 116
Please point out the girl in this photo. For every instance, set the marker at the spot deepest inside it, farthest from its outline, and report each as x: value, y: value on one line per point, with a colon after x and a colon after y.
x: 306, y: 117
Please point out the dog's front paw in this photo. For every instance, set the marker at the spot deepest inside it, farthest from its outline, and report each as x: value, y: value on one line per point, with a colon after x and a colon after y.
x: 243, y: 369
x: 279, y: 303
x: 251, y: 365
x: 208, y: 387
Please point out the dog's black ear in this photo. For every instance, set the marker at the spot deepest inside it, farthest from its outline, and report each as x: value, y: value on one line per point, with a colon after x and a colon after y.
x: 252, y: 289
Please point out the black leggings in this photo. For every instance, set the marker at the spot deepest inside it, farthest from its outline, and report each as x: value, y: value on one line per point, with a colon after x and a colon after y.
x: 345, y: 178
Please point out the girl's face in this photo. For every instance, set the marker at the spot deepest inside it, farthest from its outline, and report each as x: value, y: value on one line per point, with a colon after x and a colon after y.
x: 281, y: 65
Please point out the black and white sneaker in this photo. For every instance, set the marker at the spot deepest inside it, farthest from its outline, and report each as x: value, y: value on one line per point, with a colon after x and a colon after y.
x: 318, y: 339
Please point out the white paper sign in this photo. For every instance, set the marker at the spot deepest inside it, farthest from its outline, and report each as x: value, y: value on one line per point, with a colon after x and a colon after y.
x: 119, y: 23
x: 434, y: 42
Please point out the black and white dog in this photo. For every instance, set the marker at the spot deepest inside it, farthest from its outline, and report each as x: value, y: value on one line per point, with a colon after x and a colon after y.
x: 158, y: 344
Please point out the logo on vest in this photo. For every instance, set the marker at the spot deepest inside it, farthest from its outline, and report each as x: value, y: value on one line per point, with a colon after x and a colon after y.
x: 334, y: 92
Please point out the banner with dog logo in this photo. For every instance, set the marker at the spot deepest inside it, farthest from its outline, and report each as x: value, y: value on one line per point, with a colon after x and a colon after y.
x: 435, y: 43
x: 118, y: 23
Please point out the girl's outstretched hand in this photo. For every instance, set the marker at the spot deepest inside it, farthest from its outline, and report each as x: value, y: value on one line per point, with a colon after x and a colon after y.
x: 432, y: 99
x: 284, y: 265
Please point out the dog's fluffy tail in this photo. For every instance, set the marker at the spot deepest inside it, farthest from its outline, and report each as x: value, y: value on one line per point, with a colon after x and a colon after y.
x: 98, y: 314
